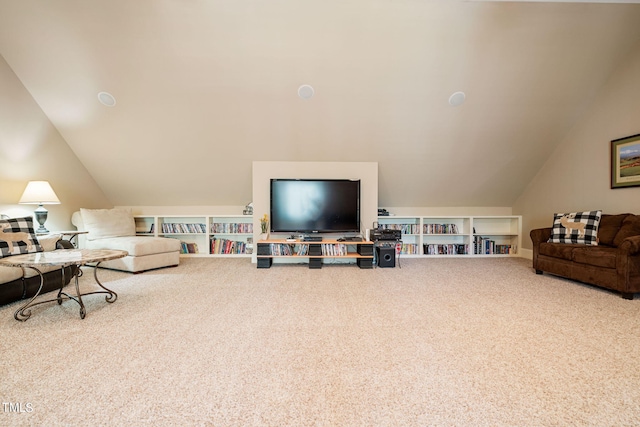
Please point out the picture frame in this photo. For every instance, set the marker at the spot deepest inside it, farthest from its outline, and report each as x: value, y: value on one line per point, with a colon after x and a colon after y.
x: 625, y: 162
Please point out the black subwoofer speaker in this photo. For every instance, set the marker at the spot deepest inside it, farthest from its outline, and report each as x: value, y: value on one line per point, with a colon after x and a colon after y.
x: 386, y: 257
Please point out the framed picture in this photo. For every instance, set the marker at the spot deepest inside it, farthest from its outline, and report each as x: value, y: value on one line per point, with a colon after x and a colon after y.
x: 625, y: 162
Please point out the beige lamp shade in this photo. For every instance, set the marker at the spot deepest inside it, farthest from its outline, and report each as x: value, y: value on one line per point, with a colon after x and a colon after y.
x: 39, y: 193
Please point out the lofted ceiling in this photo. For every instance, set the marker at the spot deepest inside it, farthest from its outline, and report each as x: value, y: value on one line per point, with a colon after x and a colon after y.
x: 205, y: 87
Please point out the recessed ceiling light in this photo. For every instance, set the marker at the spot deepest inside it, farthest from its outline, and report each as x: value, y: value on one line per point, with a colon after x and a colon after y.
x: 107, y: 99
x: 305, y: 92
x: 457, y: 99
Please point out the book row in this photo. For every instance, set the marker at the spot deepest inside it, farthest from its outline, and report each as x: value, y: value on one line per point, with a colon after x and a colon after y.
x: 229, y: 247
x: 232, y: 227
x: 284, y: 249
x: 218, y: 246
x: 440, y: 229
x: 337, y: 249
x: 325, y: 249
x: 218, y: 227
x: 450, y: 249
x: 485, y: 246
x: 183, y: 228
x: 409, y: 249
x: 404, y: 228
x: 426, y: 228
x: 188, y: 248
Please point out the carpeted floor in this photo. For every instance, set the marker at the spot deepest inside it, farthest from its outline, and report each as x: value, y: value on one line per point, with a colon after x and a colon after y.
x: 438, y: 342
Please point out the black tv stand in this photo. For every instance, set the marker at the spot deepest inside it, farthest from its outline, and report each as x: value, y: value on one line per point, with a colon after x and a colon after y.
x: 312, y: 239
x: 315, y: 252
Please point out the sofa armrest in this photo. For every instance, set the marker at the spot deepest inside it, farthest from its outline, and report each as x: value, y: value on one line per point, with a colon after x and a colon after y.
x: 540, y: 235
x: 49, y: 241
x: 630, y: 245
x: 64, y: 244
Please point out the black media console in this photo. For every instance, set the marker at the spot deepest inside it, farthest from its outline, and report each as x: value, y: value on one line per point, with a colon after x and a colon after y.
x: 315, y: 252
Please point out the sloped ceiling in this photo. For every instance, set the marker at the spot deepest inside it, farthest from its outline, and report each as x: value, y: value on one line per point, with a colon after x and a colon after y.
x: 205, y: 87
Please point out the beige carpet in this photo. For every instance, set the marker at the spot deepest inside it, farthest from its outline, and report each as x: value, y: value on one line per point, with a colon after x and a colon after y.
x: 438, y: 342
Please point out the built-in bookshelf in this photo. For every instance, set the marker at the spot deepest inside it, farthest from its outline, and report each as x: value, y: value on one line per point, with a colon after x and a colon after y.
x: 456, y: 236
x: 202, y: 235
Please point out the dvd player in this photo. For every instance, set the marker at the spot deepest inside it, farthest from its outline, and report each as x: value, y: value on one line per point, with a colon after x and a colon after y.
x: 377, y: 235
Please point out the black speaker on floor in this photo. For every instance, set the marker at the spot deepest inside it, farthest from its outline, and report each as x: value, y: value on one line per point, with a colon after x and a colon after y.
x: 386, y: 256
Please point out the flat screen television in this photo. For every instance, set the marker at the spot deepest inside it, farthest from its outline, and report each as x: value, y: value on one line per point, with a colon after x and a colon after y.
x: 315, y: 206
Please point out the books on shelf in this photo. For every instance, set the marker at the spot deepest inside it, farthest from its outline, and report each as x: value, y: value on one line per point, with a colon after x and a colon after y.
x: 440, y: 229
x: 404, y: 228
x: 487, y: 246
x: 448, y: 249
x: 188, y: 248
x: 183, y: 228
x: 334, y: 249
x: 409, y: 249
x: 288, y: 249
x: 232, y: 227
x: 228, y: 247
x: 294, y: 249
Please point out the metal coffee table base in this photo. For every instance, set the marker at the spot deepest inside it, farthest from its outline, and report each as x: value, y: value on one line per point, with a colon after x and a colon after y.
x: 24, y: 312
x: 74, y: 258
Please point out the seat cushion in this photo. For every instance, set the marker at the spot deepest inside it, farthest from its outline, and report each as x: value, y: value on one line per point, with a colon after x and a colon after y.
x: 7, y: 274
x: 558, y: 250
x: 597, y: 256
x: 137, y: 245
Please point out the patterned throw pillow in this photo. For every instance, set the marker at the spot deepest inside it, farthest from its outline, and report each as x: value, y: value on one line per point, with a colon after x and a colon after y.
x: 576, y: 227
x: 17, y: 236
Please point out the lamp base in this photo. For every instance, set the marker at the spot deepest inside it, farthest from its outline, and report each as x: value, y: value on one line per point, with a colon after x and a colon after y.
x: 41, y: 216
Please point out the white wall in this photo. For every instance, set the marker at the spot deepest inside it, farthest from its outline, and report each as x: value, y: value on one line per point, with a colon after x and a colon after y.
x: 577, y: 175
x: 32, y: 149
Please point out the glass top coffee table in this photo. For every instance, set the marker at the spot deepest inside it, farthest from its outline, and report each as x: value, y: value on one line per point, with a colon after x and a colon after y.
x: 63, y: 258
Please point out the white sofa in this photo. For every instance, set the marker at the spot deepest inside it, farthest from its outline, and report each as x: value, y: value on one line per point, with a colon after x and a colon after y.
x: 116, y: 229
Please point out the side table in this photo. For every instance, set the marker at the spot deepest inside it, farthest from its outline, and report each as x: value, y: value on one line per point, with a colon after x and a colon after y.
x: 73, y: 235
x: 63, y: 258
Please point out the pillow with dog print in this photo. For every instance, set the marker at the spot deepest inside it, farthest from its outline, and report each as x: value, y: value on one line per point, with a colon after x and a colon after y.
x: 576, y: 227
x: 17, y: 236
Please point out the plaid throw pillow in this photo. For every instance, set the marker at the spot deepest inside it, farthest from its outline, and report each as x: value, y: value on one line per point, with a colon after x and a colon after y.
x: 17, y: 236
x: 576, y: 227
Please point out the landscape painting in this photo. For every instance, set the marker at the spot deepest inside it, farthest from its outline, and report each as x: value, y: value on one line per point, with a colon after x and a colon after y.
x: 625, y: 162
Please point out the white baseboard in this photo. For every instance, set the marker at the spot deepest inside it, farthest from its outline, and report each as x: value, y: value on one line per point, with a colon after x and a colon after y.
x: 526, y: 253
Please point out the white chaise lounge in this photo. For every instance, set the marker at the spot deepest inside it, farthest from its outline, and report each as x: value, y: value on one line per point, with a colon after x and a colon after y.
x: 116, y: 229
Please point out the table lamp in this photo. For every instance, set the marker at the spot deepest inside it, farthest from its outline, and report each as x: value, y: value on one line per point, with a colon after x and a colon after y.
x: 39, y: 193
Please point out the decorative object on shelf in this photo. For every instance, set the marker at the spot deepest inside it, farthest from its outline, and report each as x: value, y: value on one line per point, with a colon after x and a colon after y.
x: 39, y: 193
x: 264, y: 227
x: 248, y: 209
x: 625, y: 162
